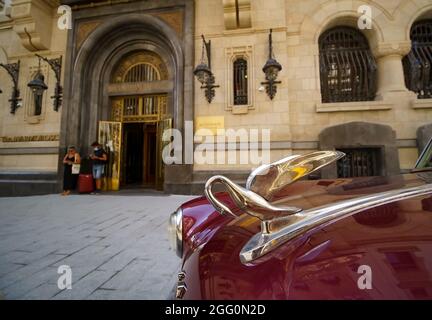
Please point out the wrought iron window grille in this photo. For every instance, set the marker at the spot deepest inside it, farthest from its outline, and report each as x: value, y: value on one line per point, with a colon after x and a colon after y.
x: 240, y: 82
x: 418, y: 63
x: 347, y: 66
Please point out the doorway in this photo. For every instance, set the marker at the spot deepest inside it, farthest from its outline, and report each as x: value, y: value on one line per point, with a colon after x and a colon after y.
x: 139, y: 155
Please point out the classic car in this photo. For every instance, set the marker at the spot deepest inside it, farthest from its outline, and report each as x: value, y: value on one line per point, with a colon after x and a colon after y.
x: 283, y: 236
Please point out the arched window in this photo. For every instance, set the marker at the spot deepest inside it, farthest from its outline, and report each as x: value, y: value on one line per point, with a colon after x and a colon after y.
x: 142, y: 72
x: 418, y: 63
x: 347, y: 66
x: 240, y: 82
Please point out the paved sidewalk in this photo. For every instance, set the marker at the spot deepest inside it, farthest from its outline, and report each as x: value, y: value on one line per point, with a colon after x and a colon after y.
x: 116, y: 245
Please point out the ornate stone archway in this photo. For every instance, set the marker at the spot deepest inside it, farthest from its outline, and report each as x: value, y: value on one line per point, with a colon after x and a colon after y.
x: 95, y: 50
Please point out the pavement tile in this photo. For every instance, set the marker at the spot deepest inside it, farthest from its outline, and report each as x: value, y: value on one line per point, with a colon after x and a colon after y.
x: 116, y: 246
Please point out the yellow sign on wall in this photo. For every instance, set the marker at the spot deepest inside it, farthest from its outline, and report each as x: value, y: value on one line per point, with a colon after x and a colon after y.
x: 210, y: 123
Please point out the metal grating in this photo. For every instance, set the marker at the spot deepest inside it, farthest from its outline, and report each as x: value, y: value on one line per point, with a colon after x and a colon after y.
x: 362, y: 162
x: 147, y: 108
x: 142, y: 72
x: 347, y: 66
x: 417, y: 64
x: 240, y: 82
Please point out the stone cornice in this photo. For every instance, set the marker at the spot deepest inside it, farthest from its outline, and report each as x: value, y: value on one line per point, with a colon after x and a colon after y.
x: 33, y: 22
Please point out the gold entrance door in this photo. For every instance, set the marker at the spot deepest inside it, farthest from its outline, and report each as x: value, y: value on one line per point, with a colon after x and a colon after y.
x: 110, y: 136
x: 148, y: 112
x: 162, y: 125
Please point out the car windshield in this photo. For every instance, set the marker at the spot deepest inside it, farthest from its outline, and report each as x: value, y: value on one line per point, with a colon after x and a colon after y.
x: 424, y: 162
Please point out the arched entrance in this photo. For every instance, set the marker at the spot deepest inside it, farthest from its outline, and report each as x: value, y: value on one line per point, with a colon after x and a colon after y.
x: 138, y: 93
x: 126, y: 84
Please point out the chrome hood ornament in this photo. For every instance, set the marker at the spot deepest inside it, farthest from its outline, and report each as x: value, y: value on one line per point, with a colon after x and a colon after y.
x: 268, y: 179
x: 281, y: 224
x: 264, y: 182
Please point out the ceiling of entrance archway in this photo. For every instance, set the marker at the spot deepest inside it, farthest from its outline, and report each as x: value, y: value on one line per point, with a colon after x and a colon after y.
x: 139, y: 58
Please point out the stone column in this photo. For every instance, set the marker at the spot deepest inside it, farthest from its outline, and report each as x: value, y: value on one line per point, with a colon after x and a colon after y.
x: 391, y: 78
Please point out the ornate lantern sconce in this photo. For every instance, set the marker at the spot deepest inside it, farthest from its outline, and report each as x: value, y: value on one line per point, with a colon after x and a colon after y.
x: 204, y: 74
x: 38, y: 86
x: 55, y: 65
x: 13, y: 70
x: 271, y: 70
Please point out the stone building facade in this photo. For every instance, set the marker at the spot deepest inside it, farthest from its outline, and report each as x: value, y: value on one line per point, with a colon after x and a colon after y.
x: 344, y: 84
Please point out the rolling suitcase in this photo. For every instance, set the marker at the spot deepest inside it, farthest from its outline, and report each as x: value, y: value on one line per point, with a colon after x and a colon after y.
x: 85, y: 183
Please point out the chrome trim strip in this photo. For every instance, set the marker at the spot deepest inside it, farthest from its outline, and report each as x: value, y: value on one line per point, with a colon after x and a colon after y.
x: 307, y: 221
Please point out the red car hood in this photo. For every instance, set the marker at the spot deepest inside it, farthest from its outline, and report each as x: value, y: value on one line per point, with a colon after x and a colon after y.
x: 200, y: 216
x: 212, y: 244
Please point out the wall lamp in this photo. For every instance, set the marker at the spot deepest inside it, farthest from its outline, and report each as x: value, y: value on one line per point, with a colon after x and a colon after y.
x: 38, y: 86
x: 271, y: 70
x: 13, y: 70
x: 56, y: 65
x: 204, y: 74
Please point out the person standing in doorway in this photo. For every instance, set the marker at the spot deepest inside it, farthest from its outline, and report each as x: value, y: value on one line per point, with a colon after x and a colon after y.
x: 99, y: 158
x: 71, y: 159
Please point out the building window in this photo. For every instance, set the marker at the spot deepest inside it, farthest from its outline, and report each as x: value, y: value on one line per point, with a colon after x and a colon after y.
x: 347, y: 67
x: 142, y: 72
x: 239, y: 79
x: 240, y: 82
x: 418, y: 63
x: 362, y: 162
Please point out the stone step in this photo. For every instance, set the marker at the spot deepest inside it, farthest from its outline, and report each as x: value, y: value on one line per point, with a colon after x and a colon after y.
x: 27, y: 175
x: 27, y: 183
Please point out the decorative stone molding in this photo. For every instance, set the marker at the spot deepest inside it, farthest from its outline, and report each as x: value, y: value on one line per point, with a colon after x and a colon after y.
x: 29, y: 150
x: 174, y: 19
x: 33, y: 22
x: 139, y: 88
x: 38, y: 138
x: 354, y: 106
x: 421, y: 104
x: 84, y: 29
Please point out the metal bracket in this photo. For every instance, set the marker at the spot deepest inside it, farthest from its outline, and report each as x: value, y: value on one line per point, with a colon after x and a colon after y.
x: 13, y: 70
x: 56, y: 65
